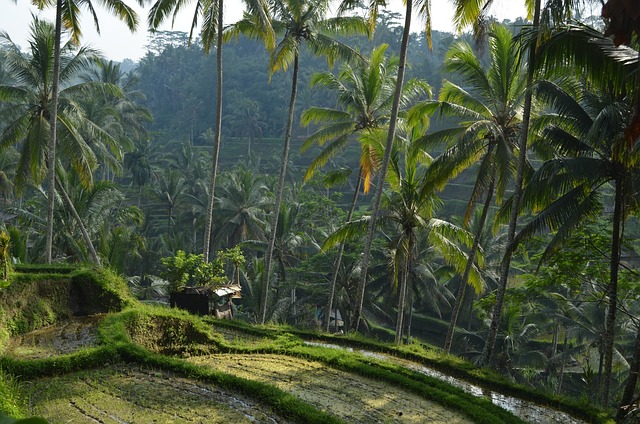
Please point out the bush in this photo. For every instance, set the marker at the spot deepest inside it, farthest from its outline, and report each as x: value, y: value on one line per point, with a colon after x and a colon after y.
x: 191, y: 270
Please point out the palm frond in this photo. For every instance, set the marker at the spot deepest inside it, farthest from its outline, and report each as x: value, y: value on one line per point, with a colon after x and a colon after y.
x: 349, y: 231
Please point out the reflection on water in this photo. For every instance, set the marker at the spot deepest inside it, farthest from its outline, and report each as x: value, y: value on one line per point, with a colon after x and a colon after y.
x: 523, y: 409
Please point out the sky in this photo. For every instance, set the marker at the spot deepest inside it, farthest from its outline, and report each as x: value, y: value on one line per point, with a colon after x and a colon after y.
x: 116, y: 42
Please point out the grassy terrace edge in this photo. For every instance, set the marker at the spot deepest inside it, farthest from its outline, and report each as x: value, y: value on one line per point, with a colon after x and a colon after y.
x: 448, y: 364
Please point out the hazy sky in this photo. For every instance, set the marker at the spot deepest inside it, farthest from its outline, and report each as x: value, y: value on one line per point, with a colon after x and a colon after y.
x: 117, y: 42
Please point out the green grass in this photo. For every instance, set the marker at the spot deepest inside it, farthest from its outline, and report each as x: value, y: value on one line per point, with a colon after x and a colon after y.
x: 433, y: 358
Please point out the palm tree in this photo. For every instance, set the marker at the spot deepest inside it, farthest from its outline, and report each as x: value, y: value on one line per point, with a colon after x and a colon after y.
x: 424, y: 9
x: 365, y: 94
x: 301, y: 22
x: 29, y: 106
x: 246, y: 120
x: 292, y: 245
x: 241, y: 205
x: 489, y: 106
x: 67, y: 14
x: 211, y: 11
x: 588, y: 132
x: 473, y: 12
x: 122, y: 117
x: 409, y: 209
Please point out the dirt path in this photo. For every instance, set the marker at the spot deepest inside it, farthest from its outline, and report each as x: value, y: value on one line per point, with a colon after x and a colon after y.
x: 130, y: 394
x: 353, y: 398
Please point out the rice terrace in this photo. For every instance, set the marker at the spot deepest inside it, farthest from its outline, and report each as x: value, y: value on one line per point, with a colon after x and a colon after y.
x: 115, y: 360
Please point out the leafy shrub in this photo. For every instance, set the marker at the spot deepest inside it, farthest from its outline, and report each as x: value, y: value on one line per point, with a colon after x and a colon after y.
x: 191, y: 270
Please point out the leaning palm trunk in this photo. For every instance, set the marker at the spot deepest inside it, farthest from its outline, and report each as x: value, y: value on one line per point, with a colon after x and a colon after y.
x: 279, y: 192
x: 467, y: 271
x: 216, y: 141
x: 487, y: 352
x: 83, y: 230
x: 612, y: 290
x: 51, y: 158
x: 385, y: 164
x: 336, y: 270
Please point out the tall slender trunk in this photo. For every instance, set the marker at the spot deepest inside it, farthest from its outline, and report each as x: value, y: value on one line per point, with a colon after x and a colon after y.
x: 467, y: 270
x: 280, y: 190
x: 336, y: 269
x: 488, y: 350
x: 83, y: 230
x: 53, y: 118
x: 564, y: 360
x: 402, y: 295
x: 217, y: 137
x: 612, y: 290
x: 411, y: 300
x: 385, y: 164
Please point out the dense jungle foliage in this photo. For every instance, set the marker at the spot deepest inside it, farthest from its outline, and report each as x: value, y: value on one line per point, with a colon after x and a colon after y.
x: 505, y: 166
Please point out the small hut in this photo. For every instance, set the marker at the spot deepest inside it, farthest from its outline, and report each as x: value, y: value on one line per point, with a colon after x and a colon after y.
x: 336, y: 323
x: 207, y: 300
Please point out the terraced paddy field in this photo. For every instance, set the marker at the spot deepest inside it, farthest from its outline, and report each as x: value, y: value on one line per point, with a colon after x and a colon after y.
x: 131, y: 394
x: 350, y: 397
x: 233, y: 376
x: 59, y: 339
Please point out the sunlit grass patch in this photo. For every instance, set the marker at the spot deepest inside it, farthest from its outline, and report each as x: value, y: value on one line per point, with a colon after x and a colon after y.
x: 348, y: 396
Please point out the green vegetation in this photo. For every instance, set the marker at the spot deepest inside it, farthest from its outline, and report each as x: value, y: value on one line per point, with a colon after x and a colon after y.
x: 153, y: 336
x: 506, y: 161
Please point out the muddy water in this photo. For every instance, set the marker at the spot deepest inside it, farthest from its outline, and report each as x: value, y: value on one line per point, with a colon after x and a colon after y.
x: 58, y: 339
x: 523, y: 409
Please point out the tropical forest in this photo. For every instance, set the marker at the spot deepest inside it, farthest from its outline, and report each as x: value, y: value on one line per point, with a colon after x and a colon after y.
x: 322, y: 212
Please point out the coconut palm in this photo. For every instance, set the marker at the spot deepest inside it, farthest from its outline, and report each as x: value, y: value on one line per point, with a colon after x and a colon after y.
x: 488, y: 104
x: 241, y: 204
x: 29, y: 106
x: 300, y: 22
x: 588, y: 132
x: 473, y: 12
x: 67, y: 14
x: 408, y: 211
x: 245, y: 120
x: 122, y: 117
x: 211, y: 12
x: 365, y: 94
x: 424, y: 10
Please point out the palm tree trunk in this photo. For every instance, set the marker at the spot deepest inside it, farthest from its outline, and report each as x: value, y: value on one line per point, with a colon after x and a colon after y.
x: 488, y: 350
x: 632, y: 380
x: 336, y: 269
x: 402, y: 294
x: 280, y: 190
x: 411, y: 300
x: 83, y: 230
x: 467, y: 270
x: 385, y: 163
x: 51, y: 158
x: 564, y: 360
x: 216, y: 142
x: 612, y: 291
